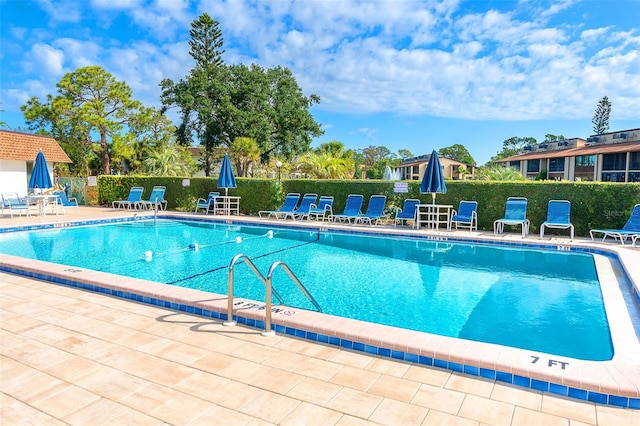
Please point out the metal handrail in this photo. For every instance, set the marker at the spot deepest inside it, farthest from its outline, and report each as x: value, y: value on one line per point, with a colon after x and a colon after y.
x: 268, y: 282
x: 230, y: 275
x: 295, y: 279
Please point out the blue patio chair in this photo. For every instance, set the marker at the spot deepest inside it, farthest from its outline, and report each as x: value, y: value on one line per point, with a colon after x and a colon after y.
x: 302, y: 210
x: 515, y: 214
x: 352, y: 209
x: 631, y: 228
x: 156, y: 197
x: 375, y: 210
x: 558, y: 216
x: 63, y: 202
x: 208, y: 204
x: 14, y: 203
x: 132, y: 201
x: 323, y: 209
x: 289, y: 206
x: 466, y: 216
x: 408, y: 212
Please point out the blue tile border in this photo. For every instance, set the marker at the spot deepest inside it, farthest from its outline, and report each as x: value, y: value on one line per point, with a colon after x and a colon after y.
x: 500, y: 376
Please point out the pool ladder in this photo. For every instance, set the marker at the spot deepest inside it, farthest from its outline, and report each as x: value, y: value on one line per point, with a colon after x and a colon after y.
x: 269, y: 290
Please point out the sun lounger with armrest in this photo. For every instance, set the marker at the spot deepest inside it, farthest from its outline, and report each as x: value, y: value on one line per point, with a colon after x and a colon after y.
x: 630, y: 229
x: 289, y: 206
x: 351, y: 210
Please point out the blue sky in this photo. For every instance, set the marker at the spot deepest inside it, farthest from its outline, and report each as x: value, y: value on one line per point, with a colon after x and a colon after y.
x: 416, y: 75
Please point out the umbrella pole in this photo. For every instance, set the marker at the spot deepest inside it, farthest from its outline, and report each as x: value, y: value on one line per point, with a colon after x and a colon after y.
x: 433, y: 198
x: 226, y: 201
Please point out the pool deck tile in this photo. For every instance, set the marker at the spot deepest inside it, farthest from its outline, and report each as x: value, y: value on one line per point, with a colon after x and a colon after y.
x: 182, y: 368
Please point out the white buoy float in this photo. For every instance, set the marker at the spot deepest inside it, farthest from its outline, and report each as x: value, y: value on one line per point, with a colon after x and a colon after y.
x: 148, y: 255
x: 194, y: 246
x: 238, y: 240
x: 270, y: 233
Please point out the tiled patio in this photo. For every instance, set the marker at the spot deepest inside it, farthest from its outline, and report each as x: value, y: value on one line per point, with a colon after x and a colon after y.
x: 75, y: 357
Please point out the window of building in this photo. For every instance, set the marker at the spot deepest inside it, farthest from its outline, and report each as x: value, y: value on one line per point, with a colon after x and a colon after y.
x: 556, y: 164
x: 515, y: 164
x: 415, y: 170
x: 533, y: 166
x: 614, y: 162
x: 634, y: 161
x: 585, y: 161
x: 613, y: 176
x: 634, y: 176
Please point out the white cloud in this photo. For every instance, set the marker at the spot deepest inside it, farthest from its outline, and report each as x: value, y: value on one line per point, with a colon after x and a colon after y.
x: 368, y: 132
x: 116, y: 4
x: 62, y: 11
x: 45, y: 58
x: 556, y: 8
x: 405, y: 57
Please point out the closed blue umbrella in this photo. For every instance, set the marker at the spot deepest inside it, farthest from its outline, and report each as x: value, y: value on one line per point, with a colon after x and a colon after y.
x: 40, y: 177
x: 226, y: 179
x: 433, y: 179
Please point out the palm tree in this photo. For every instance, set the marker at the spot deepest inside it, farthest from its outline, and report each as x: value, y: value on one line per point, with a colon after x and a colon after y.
x: 246, y: 152
x: 499, y: 173
x: 325, y: 166
x: 169, y: 160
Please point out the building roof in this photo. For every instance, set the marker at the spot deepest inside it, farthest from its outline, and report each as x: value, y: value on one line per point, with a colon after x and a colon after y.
x: 424, y: 159
x: 25, y: 146
x: 613, y: 148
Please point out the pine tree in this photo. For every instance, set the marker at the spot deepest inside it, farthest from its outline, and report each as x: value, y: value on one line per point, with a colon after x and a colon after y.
x: 206, y: 42
x: 601, y: 117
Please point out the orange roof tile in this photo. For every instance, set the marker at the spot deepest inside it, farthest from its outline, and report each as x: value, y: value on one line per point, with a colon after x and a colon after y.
x: 25, y: 146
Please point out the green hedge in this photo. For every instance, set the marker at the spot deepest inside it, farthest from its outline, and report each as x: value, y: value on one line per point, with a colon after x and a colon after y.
x: 593, y: 204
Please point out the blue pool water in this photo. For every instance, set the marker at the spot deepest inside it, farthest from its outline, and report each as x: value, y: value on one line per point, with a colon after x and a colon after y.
x: 540, y: 300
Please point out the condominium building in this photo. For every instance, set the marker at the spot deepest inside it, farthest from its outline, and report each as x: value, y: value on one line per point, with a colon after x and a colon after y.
x: 413, y: 168
x: 610, y: 157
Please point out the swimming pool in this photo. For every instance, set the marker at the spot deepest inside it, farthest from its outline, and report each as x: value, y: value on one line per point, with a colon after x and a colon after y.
x: 470, y: 291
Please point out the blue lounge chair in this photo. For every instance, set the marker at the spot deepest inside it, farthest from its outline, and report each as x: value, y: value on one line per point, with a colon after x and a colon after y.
x: 352, y: 209
x: 132, y: 201
x: 408, y: 212
x: 156, y: 197
x: 208, y: 204
x: 63, y: 202
x: 558, y: 216
x: 14, y: 203
x: 324, y: 206
x: 288, y: 207
x: 466, y: 216
x: 302, y: 210
x: 631, y: 229
x: 515, y: 214
x: 375, y: 210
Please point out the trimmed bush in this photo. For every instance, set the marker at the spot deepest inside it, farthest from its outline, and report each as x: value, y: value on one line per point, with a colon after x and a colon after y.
x: 593, y: 204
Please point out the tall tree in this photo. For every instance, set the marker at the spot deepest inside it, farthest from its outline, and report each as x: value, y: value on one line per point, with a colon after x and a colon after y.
x: 513, y: 146
x: 90, y: 101
x: 220, y: 103
x: 374, y: 160
x: 151, y: 131
x: 199, y: 95
x: 404, y: 153
x: 206, y: 42
x: 459, y: 153
x: 601, y: 117
x: 552, y: 138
